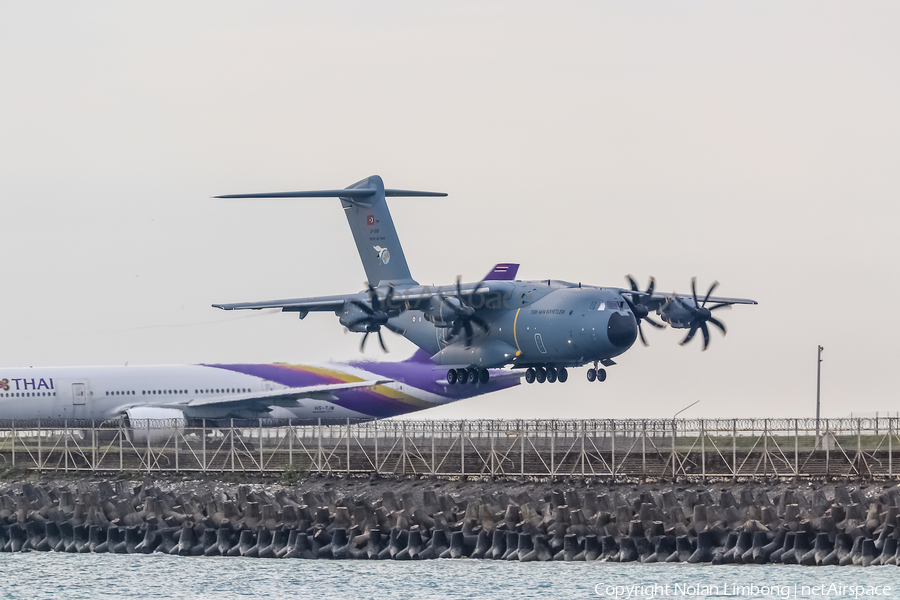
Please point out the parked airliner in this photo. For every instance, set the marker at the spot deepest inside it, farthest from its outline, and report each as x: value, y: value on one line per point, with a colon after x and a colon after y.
x: 355, y: 390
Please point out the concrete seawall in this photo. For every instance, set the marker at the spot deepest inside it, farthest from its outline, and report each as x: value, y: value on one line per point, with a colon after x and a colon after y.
x: 415, y: 518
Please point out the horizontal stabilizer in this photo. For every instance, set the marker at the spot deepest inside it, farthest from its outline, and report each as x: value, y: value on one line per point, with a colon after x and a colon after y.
x: 354, y: 193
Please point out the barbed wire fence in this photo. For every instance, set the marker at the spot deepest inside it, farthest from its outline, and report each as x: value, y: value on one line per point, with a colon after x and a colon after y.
x: 603, y: 449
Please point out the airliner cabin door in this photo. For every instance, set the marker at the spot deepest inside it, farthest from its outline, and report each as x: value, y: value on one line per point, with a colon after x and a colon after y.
x: 78, y: 394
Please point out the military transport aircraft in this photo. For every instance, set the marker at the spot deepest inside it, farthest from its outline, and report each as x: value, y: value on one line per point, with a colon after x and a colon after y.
x: 184, y: 393
x: 543, y: 327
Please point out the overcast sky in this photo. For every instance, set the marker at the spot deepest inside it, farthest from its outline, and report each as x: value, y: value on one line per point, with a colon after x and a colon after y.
x: 753, y: 143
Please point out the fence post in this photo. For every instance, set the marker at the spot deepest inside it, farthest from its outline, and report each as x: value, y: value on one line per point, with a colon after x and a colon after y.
x: 702, y: 451
x: 766, y: 448
x: 674, y: 457
x: 734, y: 450
x: 319, y: 448
x: 348, y: 446
x: 553, y: 449
x: 65, y: 443
x: 796, y: 448
x: 203, y: 441
x: 259, y: 438
x: 523, y: 431
x: 613, y: 447
x: 232, y: 445
x: 583, y: 456
x: 644, y: 448
x: 40, y: 459
x: 827, y: 452
x: 176, y: 449
x: 432, y: 448
x: 403, y: 448
x: 890, y: 446
x: 490, y: 424
x: 149, y: 451
x: 93, y: 445
x: 13, y: 442
x: 462, y: 448
x: 121, y: 446
x: 859, y: 458
x: 290, y: 442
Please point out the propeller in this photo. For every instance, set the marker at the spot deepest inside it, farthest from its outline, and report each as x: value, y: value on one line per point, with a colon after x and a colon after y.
x: 638, y: 309
x: 703, y: 315
x: 377, y: 314
x: 465, y: 315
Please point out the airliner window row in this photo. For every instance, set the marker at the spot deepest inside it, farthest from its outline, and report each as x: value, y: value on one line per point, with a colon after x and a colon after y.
x: 154, y: 392
x: 26, y: 394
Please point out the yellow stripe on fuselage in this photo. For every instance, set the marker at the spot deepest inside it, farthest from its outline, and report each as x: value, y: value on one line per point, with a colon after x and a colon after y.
x: 515, y: 337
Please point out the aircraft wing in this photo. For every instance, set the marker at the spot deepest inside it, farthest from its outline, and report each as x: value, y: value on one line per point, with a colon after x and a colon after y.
x: 401, y: 294
x: 318, y: 303
x: 657, y: 299
x: 284, y: 397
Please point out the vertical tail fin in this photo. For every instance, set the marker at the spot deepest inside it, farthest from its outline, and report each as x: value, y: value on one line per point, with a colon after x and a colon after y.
x: 371, y: 224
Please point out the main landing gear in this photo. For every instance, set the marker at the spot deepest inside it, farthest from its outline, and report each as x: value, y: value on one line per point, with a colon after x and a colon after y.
x: 470, y: 375
x: 596, y: 374
x: 548, y: 374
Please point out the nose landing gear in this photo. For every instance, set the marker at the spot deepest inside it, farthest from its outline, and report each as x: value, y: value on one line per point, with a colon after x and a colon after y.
x: 596, y: 374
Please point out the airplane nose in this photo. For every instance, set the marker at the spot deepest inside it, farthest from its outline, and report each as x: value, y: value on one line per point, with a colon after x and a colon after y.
x: 622, y: 330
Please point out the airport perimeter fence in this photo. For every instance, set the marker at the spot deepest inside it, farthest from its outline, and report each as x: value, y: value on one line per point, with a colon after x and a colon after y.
x: 600, y: 449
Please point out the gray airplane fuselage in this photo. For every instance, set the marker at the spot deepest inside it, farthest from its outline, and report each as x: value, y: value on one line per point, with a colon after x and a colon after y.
x: 532, y: 323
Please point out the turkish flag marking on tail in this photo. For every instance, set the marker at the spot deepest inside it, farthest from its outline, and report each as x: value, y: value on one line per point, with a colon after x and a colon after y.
x: 370, y: 220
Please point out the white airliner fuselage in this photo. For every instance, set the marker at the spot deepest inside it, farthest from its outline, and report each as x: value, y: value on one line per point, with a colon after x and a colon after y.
x: 360, y: 390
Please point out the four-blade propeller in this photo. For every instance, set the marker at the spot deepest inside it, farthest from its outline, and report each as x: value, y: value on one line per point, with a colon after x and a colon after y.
x: 465, y: 315
x: 638, y: 309
x: 701, y: 315
x: 377, y: 314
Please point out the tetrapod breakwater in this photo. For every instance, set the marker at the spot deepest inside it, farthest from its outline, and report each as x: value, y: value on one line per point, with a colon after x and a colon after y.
x: 419, y: 517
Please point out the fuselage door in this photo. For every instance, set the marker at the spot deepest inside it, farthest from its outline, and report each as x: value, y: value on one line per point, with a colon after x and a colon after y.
x: 78, y: 394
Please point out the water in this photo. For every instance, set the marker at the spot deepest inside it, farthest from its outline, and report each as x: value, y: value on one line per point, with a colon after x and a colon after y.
x: 90, y: 576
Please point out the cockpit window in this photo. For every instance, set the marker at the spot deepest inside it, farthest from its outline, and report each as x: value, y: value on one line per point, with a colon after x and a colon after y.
x: 594, y: 305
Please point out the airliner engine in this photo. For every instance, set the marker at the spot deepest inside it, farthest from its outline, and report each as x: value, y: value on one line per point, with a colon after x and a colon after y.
x: 153, y: 424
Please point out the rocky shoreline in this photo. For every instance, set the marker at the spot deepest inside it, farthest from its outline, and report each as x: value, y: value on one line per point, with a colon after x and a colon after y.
x: 415, y: 518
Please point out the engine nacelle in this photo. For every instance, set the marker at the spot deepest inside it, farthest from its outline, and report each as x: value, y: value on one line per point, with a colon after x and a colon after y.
x: 677, y: 312
x: 351, y: 313
x: 153, y: 424
x: 440, y: 311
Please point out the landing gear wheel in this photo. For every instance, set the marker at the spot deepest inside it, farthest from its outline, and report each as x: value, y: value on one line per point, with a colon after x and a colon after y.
x: 484, y: 377
x: 473, y: 375
x: 563, y: 375
x: 541, y: 375
x: 601, y: 374
x: 551, y: 375
x: 462, y: 376
x: 529, y: 375
x: 451, y: 376
x: 591, y: 374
